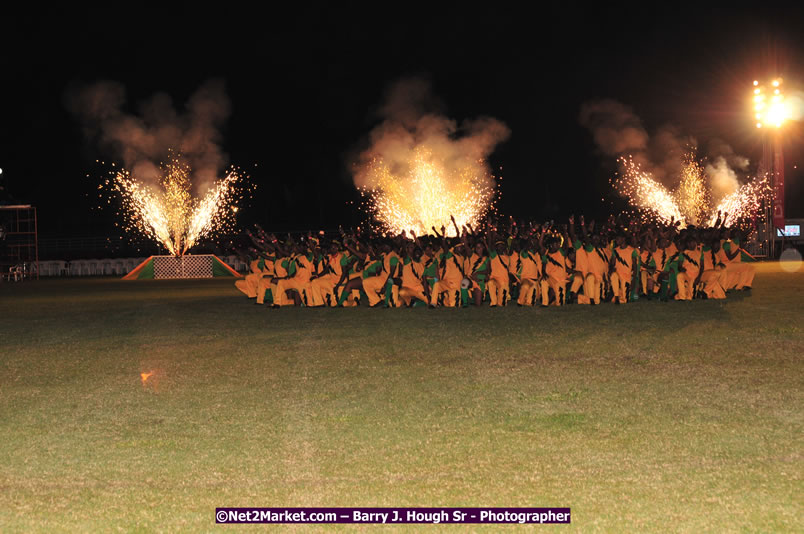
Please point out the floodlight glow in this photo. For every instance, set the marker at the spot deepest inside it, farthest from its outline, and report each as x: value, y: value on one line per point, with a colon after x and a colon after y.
x: 777, y: 110
x: 777, y: 114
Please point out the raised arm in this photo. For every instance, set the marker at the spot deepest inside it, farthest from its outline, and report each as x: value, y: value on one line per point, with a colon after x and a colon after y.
x: 416, y: 239
x: 571, y: 228
x: 280, y: 247
x: 489, y: 236
x: 455, y: 225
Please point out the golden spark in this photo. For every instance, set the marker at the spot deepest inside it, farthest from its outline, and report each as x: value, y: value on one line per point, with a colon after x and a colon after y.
x: 692, y: 196
x: 691, y: 202
x: 745, y: 203
x: 645, y: 193
x: 427, y: 193
x: 169, y: 214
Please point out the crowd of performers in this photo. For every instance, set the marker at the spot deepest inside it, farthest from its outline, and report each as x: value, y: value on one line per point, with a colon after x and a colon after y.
x: 531, y: 264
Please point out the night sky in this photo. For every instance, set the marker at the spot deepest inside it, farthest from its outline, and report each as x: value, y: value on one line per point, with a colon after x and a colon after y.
x: 305, y: 85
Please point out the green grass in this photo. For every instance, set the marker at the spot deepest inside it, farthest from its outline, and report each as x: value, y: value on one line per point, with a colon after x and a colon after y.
x: 645, y: 417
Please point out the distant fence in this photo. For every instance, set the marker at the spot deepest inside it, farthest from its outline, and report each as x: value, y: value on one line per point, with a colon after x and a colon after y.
x: 111, y: 267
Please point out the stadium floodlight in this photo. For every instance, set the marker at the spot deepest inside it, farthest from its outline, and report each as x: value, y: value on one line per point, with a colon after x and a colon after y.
x: 770, y: 112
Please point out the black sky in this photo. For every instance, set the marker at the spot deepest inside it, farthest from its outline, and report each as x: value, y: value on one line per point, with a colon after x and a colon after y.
x: 305, y: 85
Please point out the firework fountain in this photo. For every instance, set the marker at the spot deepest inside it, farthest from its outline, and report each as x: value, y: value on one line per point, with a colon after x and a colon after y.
x: 168, y: 213
x: 691, y: 202
x: 426, y: 193
x: 692, y: 195
x: 645, y: 193
x: 421, y: 167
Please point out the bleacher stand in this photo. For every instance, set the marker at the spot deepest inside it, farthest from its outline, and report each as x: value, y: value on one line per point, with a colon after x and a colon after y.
x: 237, y: 264
x: 119, y: 267
x: 52, y: 268
x: 105, y: 267
x: 46, y: 268
x: 79, y: 268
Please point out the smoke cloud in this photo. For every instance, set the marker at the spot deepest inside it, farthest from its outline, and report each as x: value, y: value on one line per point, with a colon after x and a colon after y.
x: 142, y: 140
x: 615, y: 127
x: 618, y: 131
x: 666, y: 153
x: 411, y: 120
x: 722, y: 179
x: 717, y: 148
x: 724, y: 169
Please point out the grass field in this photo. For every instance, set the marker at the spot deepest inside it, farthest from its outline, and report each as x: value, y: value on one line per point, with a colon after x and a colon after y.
x: 645, y: 417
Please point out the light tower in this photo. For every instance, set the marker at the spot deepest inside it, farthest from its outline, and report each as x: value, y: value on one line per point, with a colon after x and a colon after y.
x: 771, y: 112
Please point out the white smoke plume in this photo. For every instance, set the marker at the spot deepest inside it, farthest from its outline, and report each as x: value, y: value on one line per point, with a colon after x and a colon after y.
x: 722, y: 179
x: 724, y: 169
x: 717, y: 148
x: 141, y: 141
